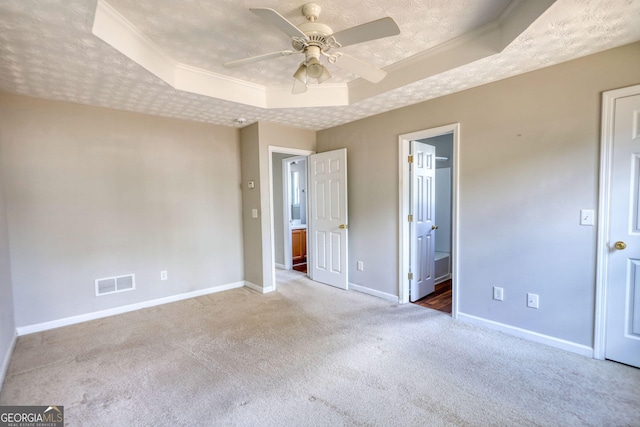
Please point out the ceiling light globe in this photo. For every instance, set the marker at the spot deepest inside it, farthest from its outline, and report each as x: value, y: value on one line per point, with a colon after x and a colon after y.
x: 301, y: 74
x: 315, y: 70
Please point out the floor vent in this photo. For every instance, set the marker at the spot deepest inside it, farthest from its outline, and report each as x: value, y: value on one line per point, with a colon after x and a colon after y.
x: 111, y: 285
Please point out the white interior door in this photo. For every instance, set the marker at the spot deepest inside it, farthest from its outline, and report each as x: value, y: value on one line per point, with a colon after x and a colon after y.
x: 422, y: 227
x: 623, y: 277
x: 328, y: 257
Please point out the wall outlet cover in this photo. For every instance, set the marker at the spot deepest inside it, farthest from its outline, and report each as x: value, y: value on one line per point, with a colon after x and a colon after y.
x: 532, y: 300
x: 498, y: 293
x: 586, y: 216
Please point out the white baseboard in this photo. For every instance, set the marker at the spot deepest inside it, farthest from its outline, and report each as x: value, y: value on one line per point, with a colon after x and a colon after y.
x: 441, y: 279
x: 373, y: 292
x: 39, y: 327
x: 280, y: 266
x: 258, y: 288
x: 529, y: 335
x: 7, y: 358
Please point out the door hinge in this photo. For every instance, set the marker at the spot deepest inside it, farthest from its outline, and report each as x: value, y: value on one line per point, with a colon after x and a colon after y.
x: 410, y: 159
x: 410, y: 276
x: 410, y: 218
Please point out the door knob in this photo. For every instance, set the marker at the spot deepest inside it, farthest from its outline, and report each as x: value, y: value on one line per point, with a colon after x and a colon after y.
x: 620, y: 245
x: 344, y: 226
x: 434, y: 227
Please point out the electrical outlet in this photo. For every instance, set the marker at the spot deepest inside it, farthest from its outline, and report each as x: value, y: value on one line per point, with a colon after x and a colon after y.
x: 498, y: 293
x: 532, y: 300
x: 360, y: 265
x: 163, y: 275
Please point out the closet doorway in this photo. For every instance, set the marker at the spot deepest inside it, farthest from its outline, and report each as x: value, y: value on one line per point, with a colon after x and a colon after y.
x: 289, y: 191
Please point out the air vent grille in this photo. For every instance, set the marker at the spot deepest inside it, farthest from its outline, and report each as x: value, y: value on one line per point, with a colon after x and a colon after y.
x: 110, y: 285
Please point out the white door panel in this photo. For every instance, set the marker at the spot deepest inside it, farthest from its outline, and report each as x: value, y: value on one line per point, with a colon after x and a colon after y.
x: 328, y: 261
x: 623, y: 279
x: 422, y: 247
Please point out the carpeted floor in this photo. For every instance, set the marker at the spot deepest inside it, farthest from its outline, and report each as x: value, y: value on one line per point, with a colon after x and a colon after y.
x: 310, y: 354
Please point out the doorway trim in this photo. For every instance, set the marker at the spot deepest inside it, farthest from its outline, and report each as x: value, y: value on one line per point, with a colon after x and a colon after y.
x: 604, y: 203
x: 283, y: 150
x: 404, y: 209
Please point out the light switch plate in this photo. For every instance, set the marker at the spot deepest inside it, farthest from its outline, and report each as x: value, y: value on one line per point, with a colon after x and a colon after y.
x: 254, y: 213
x: 586, y: 216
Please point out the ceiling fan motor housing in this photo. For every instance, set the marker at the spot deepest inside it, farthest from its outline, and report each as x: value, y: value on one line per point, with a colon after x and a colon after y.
x: 317, y: 36
x: 316, y: 32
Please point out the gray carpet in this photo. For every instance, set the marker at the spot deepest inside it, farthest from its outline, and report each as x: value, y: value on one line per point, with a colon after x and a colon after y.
x: 310, y: 355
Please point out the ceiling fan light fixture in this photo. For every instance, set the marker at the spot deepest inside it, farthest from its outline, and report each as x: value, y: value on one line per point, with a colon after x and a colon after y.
x: 314, y: 68
x: 298, y: 87
x: 301, y: 74
x: 326, y: 75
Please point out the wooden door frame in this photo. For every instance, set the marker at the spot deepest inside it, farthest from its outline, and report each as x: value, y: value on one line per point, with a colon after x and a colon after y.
x: 604, y: 204
x: 404, y: 209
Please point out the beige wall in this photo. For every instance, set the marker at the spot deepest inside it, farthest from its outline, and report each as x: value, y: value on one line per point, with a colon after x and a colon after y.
x: 529, y: 153
x: 93, y: 193
x: 7, y: 321
x: 252, y: 230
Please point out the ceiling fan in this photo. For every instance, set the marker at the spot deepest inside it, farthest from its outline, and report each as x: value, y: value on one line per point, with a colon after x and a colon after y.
x: 314, y: 40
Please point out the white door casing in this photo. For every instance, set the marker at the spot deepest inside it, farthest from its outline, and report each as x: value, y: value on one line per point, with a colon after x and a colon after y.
x: 327, y: 218
x: 620, y: 266
x: 421, y: 225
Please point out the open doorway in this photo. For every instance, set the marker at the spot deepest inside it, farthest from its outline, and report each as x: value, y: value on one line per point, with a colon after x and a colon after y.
x: 289, y: 176
x: 294, y: 174
x: 440, y: 143
x: 327, y: 216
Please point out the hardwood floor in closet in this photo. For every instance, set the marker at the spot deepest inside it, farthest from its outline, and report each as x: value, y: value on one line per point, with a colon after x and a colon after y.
x: 440, y: 299
x: 301, y: 267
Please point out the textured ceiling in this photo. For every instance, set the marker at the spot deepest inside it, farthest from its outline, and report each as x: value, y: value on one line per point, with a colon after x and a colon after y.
x: 47, y: 50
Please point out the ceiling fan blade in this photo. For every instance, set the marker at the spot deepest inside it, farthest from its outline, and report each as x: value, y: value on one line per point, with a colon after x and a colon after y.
x: 359, y: 68
x: 279, y: 21
x: 258, y: 58
x: 383, y: 27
